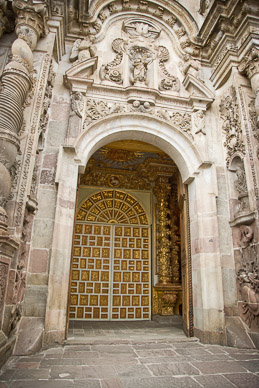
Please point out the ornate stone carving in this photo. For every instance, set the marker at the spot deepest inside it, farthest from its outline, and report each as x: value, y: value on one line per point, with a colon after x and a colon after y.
x: 140, y: 31
x: 45, y: 79
x: 6, y: 22
x: 249, y: 146
x: 96, y: 110
x: 77, y: 103
x: 110, y: 71
x: 162, y: 190
x: 231, y: 124
x: 31, y: 21
x: 16, y: 82
x: 169, y: 82
x: 83, y: 49
x: 204, y: 5
x: 140, y: 59
x: 199, y: 122
x: 253, y: 119
x: 141, y: 106
x: 240, y: 183
x: 248, y: 277
x: 3, y: 283
x: 250, y: 66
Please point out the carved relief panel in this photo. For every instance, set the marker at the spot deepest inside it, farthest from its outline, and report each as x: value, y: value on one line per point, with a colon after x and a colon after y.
x: 140, y: 59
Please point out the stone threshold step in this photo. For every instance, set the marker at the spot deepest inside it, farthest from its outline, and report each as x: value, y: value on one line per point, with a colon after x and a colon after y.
x: 114, y: 341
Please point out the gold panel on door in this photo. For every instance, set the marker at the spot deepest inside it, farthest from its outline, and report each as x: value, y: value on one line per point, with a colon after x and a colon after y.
x: 111, y: 263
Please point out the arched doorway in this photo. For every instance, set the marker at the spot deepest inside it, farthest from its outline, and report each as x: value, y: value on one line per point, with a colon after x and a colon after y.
x: 126, y: 258
x: 195, y: 171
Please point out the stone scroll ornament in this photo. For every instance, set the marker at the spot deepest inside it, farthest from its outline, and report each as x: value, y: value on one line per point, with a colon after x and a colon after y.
x: 16, y: 81
x: 111, y: 71
x: 169, y: 81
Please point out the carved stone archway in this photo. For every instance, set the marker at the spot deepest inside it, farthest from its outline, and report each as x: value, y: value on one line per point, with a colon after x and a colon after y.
x: 200, y: 177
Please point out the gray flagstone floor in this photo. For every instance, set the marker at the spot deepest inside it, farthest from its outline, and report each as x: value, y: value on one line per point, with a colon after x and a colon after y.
x: 132, y: 354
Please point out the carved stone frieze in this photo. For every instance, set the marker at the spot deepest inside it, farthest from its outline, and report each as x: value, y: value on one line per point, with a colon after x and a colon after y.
x: 231, y: 126
x: 96, y: 109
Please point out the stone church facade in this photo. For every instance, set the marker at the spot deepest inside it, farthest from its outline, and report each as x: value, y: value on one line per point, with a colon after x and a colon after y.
x: 129, y: 145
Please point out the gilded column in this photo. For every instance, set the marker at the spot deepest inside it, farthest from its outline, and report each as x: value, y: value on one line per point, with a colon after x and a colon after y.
x: 162, y: 191
x: 175, y: 241
x: 15, y: 84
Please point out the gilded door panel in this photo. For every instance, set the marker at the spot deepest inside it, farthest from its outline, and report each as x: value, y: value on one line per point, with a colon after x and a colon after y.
x: 91, y: 266
x: 131, y: 273
x: 110, y: 275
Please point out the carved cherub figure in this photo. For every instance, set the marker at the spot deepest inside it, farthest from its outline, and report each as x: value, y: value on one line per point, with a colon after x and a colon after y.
x: 83, y: 49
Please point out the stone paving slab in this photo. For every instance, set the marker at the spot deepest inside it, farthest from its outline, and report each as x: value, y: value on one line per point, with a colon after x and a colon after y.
x: 143, y: 363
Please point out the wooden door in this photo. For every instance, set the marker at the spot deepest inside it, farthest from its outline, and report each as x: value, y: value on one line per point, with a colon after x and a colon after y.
x: 186, y: 268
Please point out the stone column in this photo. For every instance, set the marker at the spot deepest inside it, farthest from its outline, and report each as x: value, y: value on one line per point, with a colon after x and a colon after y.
x: 162, y: 191
x: 250, y: 67
x: 15, y: 84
